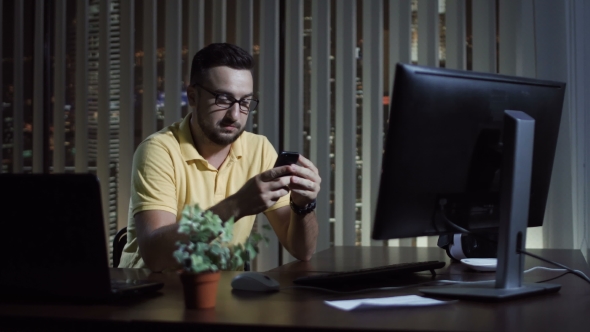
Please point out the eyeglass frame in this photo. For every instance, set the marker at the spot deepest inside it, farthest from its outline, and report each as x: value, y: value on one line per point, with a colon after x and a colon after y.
x: 216, y: 95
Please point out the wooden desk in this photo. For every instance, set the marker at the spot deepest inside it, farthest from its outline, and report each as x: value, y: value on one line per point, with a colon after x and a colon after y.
x: 294, y: 309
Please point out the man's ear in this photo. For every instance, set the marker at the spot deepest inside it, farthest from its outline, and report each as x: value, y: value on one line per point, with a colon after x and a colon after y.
x: 192, y: 95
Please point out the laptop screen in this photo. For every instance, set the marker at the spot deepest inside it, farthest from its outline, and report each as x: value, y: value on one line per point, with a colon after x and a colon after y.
x: 53, y: 235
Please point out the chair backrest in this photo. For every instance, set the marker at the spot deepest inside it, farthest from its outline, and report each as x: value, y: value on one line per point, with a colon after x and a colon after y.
x: 119, y: 242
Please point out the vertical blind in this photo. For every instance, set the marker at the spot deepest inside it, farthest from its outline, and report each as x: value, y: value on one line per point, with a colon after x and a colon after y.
x: 120, y: 71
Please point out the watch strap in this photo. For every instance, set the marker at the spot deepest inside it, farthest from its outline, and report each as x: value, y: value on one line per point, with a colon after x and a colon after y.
x: 305, y: 210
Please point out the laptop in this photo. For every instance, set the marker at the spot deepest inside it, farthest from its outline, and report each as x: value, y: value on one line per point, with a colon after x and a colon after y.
x: 52, y: 239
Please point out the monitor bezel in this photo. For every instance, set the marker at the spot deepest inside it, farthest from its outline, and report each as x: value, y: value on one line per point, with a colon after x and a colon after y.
x: 412, y: 80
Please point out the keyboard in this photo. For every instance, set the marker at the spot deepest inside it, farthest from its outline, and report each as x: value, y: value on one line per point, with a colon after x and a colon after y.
x: 380, y: 273
x: 122, y: 286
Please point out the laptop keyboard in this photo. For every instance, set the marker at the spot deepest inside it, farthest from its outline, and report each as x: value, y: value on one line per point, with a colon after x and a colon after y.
x: 130, y: 286
x: 381, y: 272
x: 122, y: 284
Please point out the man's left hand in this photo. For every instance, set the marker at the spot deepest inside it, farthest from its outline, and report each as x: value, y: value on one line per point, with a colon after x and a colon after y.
x: 305, y: 182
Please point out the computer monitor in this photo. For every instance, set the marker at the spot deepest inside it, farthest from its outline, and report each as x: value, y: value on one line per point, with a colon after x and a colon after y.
x: 456, y: 159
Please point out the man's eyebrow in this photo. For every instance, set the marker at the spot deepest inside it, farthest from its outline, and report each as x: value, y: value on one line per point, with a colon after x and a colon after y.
x: 223, y: 92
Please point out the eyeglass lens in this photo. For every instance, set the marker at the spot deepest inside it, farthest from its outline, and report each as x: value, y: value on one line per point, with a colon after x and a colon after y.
x: 227, y: 102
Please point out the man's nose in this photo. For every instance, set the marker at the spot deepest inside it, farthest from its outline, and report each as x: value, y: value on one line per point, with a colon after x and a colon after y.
x: 234, y: 111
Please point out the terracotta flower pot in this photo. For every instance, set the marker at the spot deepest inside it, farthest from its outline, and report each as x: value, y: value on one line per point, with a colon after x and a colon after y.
x: 200, y: 289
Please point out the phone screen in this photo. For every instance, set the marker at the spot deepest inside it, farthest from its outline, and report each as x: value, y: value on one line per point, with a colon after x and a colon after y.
x: 286, y: 158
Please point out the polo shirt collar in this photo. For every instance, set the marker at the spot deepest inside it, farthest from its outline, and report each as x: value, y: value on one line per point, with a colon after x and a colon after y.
x: 187, y: 145
x: 237, y: 148
x: 185, y: 139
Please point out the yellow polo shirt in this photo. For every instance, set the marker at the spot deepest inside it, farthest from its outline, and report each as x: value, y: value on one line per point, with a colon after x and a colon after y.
x: 168, y: 173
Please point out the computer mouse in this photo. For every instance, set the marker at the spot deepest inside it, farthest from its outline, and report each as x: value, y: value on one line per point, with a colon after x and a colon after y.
x: 254, y: 282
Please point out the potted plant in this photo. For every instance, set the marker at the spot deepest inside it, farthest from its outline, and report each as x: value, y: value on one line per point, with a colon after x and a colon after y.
x: 207, y: 252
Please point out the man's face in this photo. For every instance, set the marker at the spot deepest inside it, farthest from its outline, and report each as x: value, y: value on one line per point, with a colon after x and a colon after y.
x: 222, y: 126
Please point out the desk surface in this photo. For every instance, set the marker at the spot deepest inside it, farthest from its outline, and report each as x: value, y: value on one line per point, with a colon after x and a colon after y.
x: 294, y: 309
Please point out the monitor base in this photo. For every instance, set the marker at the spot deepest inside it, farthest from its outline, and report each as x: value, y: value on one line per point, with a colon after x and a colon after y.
x: 489, y: 292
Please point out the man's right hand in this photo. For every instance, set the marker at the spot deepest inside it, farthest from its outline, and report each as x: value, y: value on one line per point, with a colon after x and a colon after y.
x: 262, y: 191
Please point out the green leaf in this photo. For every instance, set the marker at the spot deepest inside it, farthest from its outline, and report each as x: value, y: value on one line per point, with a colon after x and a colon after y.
x: 209, y: 246
x: 216, y: 249
x: 179, y: 256
x: 237, y: 261
x: 251, y: 251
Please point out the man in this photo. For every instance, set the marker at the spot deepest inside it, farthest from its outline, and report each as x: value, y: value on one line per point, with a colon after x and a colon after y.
x: 208, y: 159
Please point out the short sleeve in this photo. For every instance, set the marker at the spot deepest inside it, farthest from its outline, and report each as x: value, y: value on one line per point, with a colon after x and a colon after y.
x: 153, y: 184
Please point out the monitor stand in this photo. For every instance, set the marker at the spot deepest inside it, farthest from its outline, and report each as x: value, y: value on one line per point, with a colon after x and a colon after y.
x: 519, y: 129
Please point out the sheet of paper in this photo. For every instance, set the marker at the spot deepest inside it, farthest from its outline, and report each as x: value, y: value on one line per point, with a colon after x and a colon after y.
x: 395, y: 301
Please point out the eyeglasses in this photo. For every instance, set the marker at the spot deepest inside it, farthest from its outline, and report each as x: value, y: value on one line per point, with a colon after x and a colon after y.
x: 246, y: 104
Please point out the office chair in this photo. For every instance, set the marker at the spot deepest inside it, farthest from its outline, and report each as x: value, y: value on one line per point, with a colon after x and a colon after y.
x: 119, y: 242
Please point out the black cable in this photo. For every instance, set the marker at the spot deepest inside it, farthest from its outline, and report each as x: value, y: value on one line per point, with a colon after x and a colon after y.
x: 458, y: 228
x: 547, y: 280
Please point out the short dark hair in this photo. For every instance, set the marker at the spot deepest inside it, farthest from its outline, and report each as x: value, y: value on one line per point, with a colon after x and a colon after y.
x: 219, y: 54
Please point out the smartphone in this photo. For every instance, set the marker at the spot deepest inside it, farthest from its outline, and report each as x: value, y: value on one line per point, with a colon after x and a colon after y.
x: 286, y: 158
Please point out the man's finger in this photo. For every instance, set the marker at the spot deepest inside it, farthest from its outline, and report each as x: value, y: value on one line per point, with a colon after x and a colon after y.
x: 307, y: 164
x: 305, y: 173
x: 308, y: 195
x: 301, y: 183
x: 274, y: 173
x: 280, y: 182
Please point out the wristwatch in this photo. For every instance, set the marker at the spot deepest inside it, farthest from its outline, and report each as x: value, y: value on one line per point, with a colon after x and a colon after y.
x: 305, y: 210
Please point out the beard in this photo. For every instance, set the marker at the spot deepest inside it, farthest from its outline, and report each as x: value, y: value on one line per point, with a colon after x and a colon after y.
x: 215, y: 133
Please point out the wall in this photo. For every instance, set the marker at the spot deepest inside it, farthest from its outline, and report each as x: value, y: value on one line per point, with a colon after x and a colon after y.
x: 562, y: 47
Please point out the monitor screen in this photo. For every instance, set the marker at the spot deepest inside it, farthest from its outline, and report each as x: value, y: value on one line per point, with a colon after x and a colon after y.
x: 444, y: 147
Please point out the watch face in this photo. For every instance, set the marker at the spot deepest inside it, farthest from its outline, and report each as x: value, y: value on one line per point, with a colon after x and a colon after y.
x: 305, y: 210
